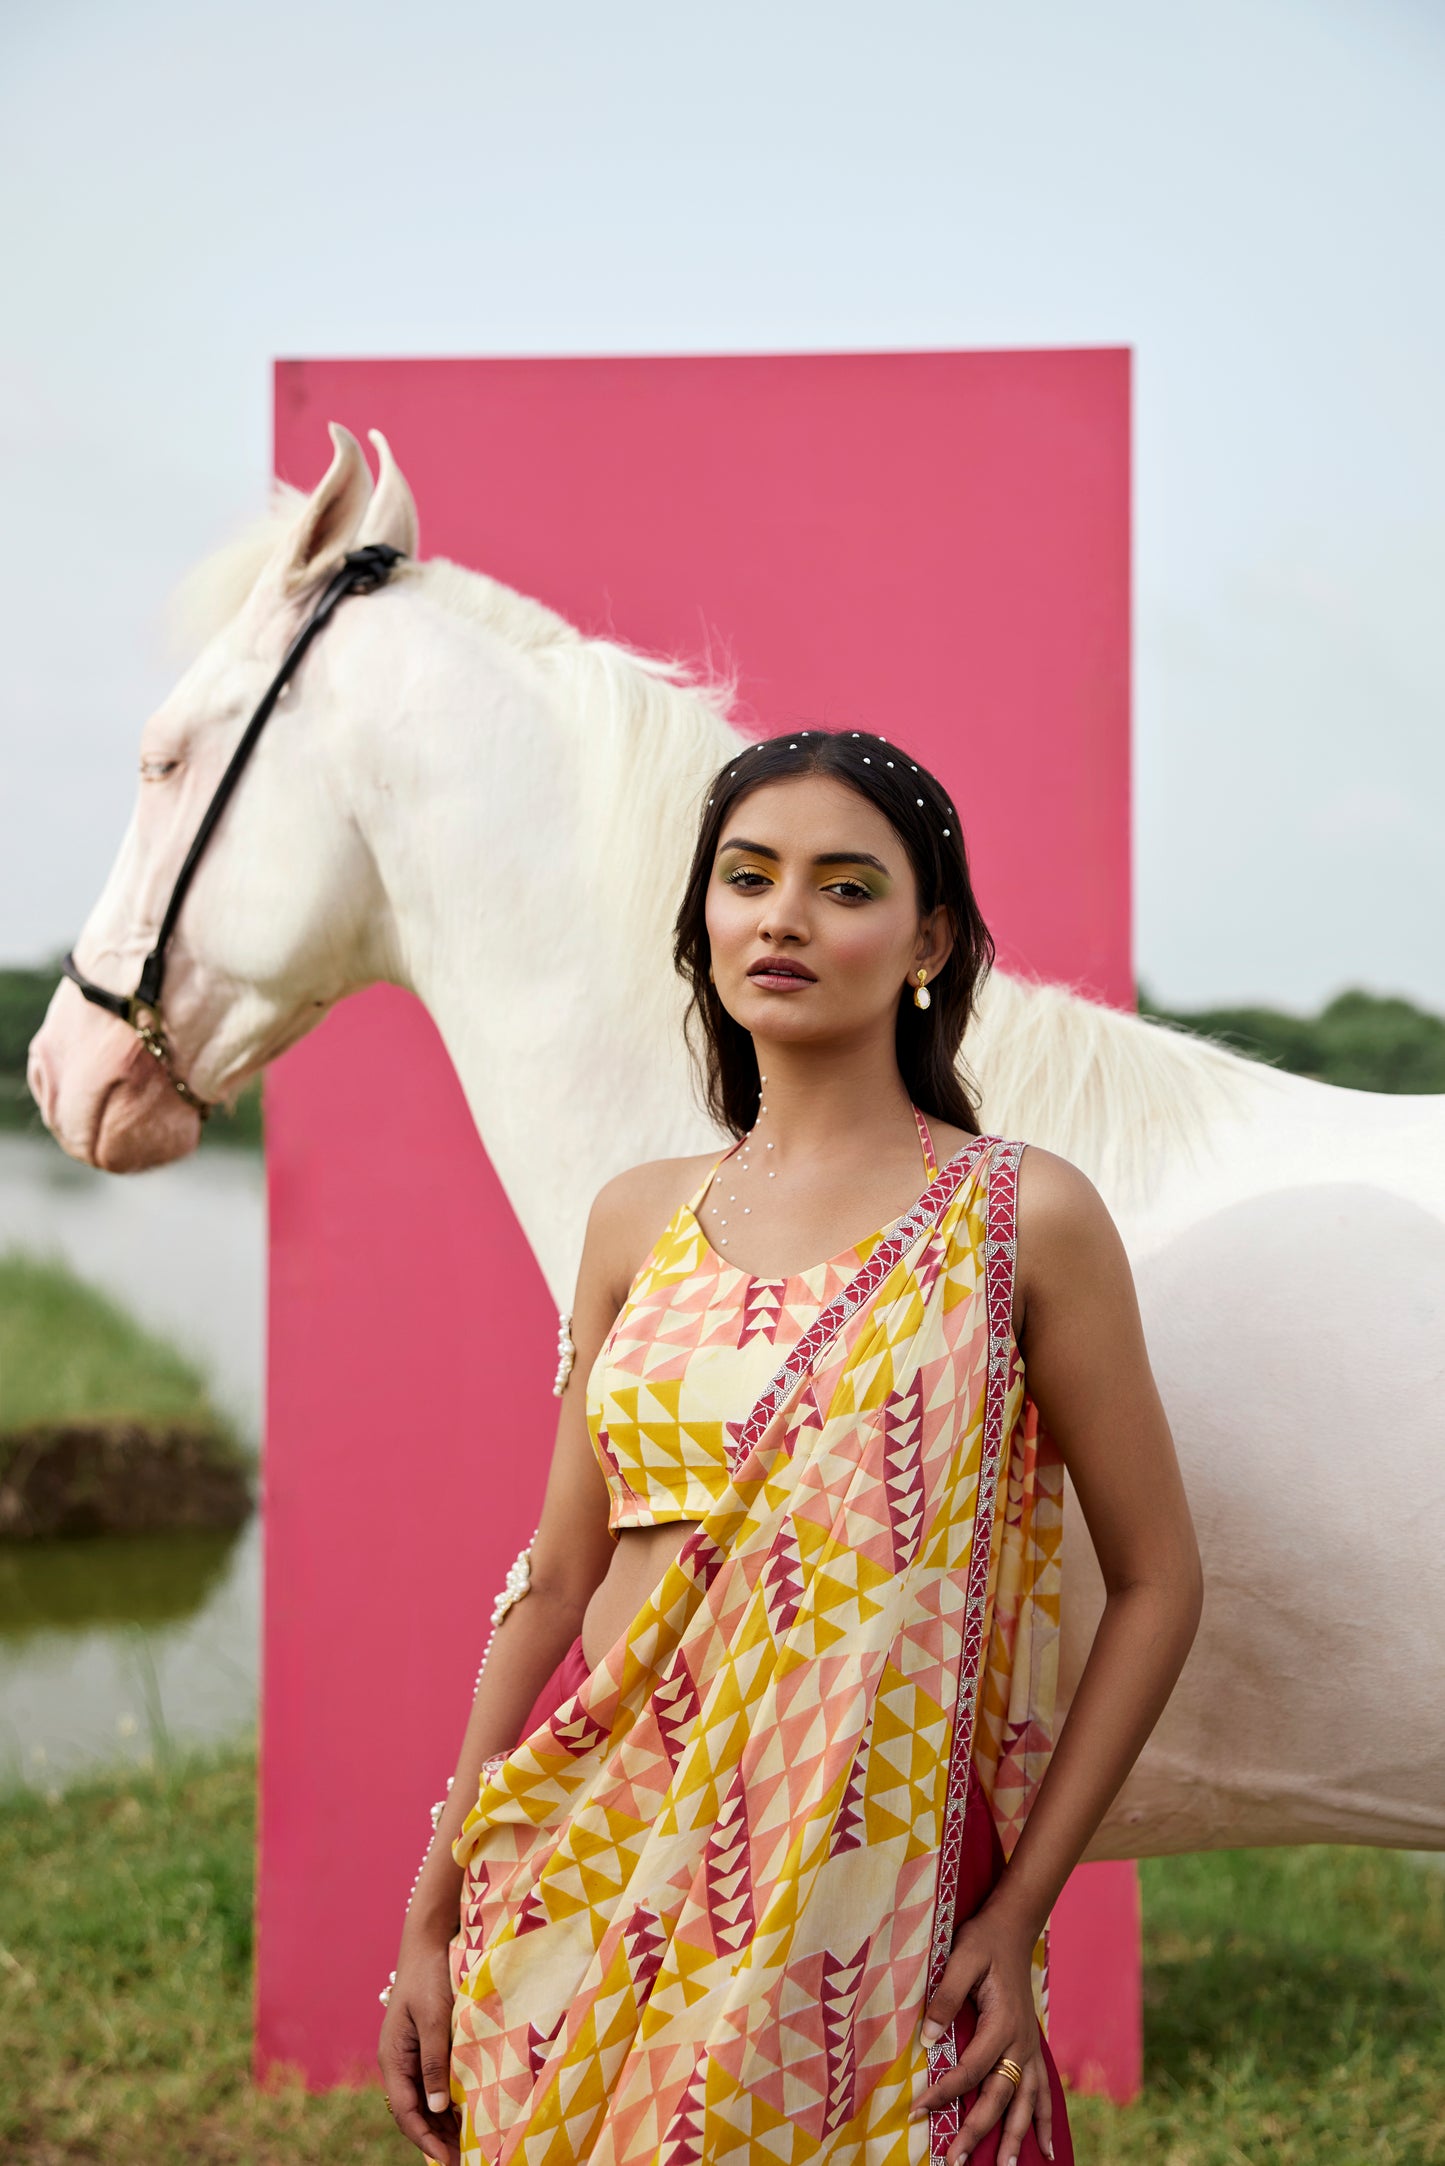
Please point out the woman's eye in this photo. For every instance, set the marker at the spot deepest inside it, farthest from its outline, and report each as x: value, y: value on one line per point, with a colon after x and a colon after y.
x: 744, y: 876
x: 156, y: 770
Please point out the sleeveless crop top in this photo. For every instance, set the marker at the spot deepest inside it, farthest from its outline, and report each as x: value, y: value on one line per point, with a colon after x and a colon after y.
x: 693, y: 1345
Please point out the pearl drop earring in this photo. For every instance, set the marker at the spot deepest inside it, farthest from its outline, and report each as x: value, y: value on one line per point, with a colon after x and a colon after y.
x: 922, y: 998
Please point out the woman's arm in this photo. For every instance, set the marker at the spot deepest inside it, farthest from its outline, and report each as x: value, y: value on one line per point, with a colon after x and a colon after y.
x: 1088, y: 1371
x: 569, y: 1558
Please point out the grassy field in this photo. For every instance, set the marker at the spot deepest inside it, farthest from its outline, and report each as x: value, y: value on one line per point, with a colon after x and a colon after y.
x: 1294, y: 1999
x: 68, y: 1353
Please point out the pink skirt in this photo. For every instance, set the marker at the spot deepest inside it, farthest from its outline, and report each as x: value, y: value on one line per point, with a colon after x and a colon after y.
x: 982, y: 1863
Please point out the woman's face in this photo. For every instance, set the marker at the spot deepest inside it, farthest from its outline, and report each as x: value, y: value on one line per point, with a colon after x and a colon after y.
x: 809, y: 874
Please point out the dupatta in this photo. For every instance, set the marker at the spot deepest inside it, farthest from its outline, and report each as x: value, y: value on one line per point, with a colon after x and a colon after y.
x: 705, y: 1903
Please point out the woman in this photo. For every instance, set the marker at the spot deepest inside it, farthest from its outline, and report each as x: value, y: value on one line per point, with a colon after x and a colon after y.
x: 757, y: 1822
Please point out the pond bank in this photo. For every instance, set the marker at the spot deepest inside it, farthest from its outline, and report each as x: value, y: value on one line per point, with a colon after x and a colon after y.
x: 130, y: 1338
x: 105, y: 1427
x: 119, y: 1477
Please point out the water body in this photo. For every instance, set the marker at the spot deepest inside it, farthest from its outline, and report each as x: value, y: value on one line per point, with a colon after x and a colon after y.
x: 114, y: 1649
x: 110, y: 1649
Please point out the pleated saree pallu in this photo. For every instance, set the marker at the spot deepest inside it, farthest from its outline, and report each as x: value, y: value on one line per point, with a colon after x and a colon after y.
x: 705, y: 1902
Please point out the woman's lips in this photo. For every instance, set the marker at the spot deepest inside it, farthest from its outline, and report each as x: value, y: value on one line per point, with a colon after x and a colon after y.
x: 779, y: 981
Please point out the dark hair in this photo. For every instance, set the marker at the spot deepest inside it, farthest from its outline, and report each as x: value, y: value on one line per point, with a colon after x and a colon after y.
x: 927, y: 1040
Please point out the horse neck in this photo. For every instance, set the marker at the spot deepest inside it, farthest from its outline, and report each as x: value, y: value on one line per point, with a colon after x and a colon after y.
x: 1125, y: 1100
x: 498, y: 926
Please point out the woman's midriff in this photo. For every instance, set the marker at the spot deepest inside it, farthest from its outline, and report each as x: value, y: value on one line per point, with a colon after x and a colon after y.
x: 642, y: 1557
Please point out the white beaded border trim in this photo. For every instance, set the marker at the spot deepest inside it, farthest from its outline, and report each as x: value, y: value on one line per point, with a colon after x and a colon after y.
x: 566, y: 1352
x: 517, y: 1583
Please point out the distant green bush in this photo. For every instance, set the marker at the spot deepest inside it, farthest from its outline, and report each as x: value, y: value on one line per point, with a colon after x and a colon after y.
x: 1362, y: 1041
x: 24, y: 998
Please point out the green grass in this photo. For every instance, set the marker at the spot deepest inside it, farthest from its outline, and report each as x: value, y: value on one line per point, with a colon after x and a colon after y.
x: 125, y: 1985
x: 69, y: 1353
x: 1294, y: 1999
x: 1294, y: 2012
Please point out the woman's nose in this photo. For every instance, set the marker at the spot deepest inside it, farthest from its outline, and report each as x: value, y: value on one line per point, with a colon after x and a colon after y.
x: 783, y: 916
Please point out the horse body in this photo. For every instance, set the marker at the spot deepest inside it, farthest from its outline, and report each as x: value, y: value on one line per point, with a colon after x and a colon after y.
x: 452, y: 800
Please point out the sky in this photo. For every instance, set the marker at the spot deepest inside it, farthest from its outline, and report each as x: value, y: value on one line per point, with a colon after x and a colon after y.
x: 1250, y: 196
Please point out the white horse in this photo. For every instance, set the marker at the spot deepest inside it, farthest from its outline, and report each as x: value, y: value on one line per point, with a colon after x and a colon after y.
x: 472, y: 800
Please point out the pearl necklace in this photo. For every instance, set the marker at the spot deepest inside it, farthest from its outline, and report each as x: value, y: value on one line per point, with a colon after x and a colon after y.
x: 745, y: 1167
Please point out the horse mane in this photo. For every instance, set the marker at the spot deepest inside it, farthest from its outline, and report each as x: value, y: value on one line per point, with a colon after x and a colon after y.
x: 1116, y: 1093
x: 645, y: 735
x: 210, y: 594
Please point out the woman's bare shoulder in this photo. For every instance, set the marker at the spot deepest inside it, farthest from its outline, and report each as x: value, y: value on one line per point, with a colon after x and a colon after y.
x: 1061, y: 1220
x: 643, y: 1186
x: 1055, y: 1189
x: 630, y: 1210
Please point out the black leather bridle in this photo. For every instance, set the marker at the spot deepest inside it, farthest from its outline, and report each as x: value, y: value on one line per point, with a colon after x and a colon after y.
x: 362, y: 571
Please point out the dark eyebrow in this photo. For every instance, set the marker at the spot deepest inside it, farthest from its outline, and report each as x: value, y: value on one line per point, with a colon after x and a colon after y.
x: 824, y: 857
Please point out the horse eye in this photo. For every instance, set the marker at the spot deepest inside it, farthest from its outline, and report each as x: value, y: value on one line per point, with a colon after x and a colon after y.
x: 157, y: 770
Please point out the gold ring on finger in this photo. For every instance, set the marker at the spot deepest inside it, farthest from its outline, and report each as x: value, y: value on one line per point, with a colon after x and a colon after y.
x: 1010, y: 2069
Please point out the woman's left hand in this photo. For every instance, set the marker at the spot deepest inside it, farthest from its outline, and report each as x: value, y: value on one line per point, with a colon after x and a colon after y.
x: 991, y: 1964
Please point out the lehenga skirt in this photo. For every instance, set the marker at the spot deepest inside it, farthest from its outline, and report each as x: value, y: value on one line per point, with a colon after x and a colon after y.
x: 982, y: 1863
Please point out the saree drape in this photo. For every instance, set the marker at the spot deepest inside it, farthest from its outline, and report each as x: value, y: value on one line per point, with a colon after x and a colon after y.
x: 705, y: 1902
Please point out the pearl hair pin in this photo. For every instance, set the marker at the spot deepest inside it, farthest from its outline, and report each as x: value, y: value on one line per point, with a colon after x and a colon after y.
x: 758, y: 742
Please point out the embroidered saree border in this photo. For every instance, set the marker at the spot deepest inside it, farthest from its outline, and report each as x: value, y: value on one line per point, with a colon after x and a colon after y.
x: 830, y: 1321
x: 999, y: 1253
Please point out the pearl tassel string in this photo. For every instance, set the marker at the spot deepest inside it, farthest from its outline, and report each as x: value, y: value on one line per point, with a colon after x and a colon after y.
x: 566, y: 1352
x: 517, y: 1583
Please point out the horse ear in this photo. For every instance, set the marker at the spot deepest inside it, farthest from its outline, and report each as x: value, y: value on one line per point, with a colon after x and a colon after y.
x: 391, y: 514
x: 326, y: 528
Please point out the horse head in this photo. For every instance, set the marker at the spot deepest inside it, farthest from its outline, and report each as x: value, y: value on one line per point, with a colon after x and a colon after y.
x: 281, y: 912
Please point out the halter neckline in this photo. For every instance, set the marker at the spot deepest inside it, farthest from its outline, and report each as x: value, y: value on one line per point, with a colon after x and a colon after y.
x: 809, y: 1271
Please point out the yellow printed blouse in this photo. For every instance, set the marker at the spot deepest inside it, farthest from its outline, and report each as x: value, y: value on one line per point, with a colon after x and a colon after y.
x: 692, y: 1348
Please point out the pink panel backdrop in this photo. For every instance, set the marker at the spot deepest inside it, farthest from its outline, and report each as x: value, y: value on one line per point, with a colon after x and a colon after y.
x: 935, y: 545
